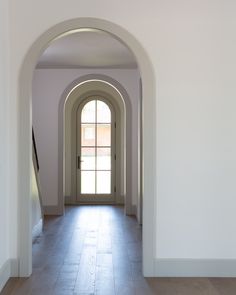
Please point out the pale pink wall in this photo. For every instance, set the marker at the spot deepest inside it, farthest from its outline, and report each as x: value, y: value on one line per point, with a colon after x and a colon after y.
x: 48, y: 86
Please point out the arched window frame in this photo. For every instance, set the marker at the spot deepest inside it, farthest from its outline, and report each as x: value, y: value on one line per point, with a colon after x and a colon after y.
x: 101, y: 198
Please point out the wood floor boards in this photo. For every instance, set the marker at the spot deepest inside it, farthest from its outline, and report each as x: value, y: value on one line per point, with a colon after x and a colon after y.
x: 97, y: 250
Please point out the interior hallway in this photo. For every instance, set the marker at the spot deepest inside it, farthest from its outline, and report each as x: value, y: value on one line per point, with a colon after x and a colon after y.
x: 97, y: 250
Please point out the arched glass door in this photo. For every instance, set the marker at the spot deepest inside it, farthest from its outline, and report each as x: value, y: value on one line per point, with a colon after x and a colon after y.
x: 95, y: 152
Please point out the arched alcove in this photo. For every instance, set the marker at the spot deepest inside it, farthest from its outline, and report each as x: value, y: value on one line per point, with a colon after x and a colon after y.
x: 72, y: 97
x: 148, y: 139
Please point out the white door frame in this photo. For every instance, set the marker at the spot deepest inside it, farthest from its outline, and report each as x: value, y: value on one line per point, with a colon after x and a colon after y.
x: 91, y: 199
x: 25, y: 144
x: 114, y: 92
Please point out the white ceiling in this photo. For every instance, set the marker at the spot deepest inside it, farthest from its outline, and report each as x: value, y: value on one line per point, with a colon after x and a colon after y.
x: 87, y: 49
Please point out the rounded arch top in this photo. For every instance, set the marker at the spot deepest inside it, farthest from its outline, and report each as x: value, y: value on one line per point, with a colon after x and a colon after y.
x: 96, y: 108
x: 77, y: 95
x: 79, y: 24
x: 101, y: 84
x: 148, y: 137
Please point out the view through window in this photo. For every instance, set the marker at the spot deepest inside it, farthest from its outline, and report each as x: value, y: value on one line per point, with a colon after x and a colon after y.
x: 96, y: 148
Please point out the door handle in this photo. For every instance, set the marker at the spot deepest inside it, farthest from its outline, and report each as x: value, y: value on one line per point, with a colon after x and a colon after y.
x: 79, y: 162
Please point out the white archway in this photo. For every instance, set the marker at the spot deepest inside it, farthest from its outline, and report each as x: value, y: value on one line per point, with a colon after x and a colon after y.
x: 118, y: 97
x: 113, y: 88
x: 149, y: 137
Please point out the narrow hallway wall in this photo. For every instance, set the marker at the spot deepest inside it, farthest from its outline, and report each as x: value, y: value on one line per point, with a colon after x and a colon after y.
x: 48, y: 87
x: 4, y: 196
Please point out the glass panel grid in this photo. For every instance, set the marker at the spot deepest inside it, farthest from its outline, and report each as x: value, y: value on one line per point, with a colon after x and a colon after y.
x: 96, y: 149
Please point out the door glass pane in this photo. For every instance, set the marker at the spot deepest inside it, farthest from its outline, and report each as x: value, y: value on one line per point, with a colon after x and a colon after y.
x: 103, y: 112
x: 88, y: 182
x: 87, y: 158
x: 87, y: 134
x: 103, y: 134
x: 89, y: 112
x: 95, y: 148
x: 103, y: 182
x: 103, y: 159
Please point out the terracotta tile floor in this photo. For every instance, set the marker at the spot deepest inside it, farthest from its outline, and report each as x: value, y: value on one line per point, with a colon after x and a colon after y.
x: 97, y: 250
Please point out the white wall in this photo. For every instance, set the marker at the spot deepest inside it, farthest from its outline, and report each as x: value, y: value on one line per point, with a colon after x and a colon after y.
x: 4, y: 194
x: 196, y: 131
x: 192, y: 48
x: 8, y: 206
x: 48, y: 87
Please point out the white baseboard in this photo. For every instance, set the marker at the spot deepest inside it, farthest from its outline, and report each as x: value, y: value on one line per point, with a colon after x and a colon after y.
x: 5, y: 274
x: 134, y: 210
x: 8, y: 270
x: 37, y: 230
x: 120, y: 199
x: 71, y: 201
x: 52, y: 210
x: 195, y: 268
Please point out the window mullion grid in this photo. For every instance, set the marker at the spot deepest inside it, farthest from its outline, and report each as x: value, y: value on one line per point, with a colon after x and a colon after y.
x: 96, y: 146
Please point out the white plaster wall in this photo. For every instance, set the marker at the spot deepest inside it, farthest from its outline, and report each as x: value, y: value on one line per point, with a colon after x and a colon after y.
x: 4, y: 194
x: 196, y: 130
x: 48, y: 87
x: 192, y: 47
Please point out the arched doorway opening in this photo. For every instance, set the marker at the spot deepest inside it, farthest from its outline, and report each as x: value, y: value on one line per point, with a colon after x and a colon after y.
x: 96, y: 143
x: 149, y: 137
x: 118, y: 97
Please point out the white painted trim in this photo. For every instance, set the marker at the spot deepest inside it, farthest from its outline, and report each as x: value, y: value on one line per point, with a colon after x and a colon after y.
x: 108, y: 87
x: 37, y: 230
x: 74, y: 115
x: 119, y: 202
x: 53, y: 210
x: 149, y: 118
x: 134, y: 210
x: 9, y: 269
x: 14, y: 268
x: 5, y: 273
x: 195, y: 267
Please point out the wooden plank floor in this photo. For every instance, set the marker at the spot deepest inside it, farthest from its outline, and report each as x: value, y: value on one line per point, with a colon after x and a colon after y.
x: 97, y: 250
